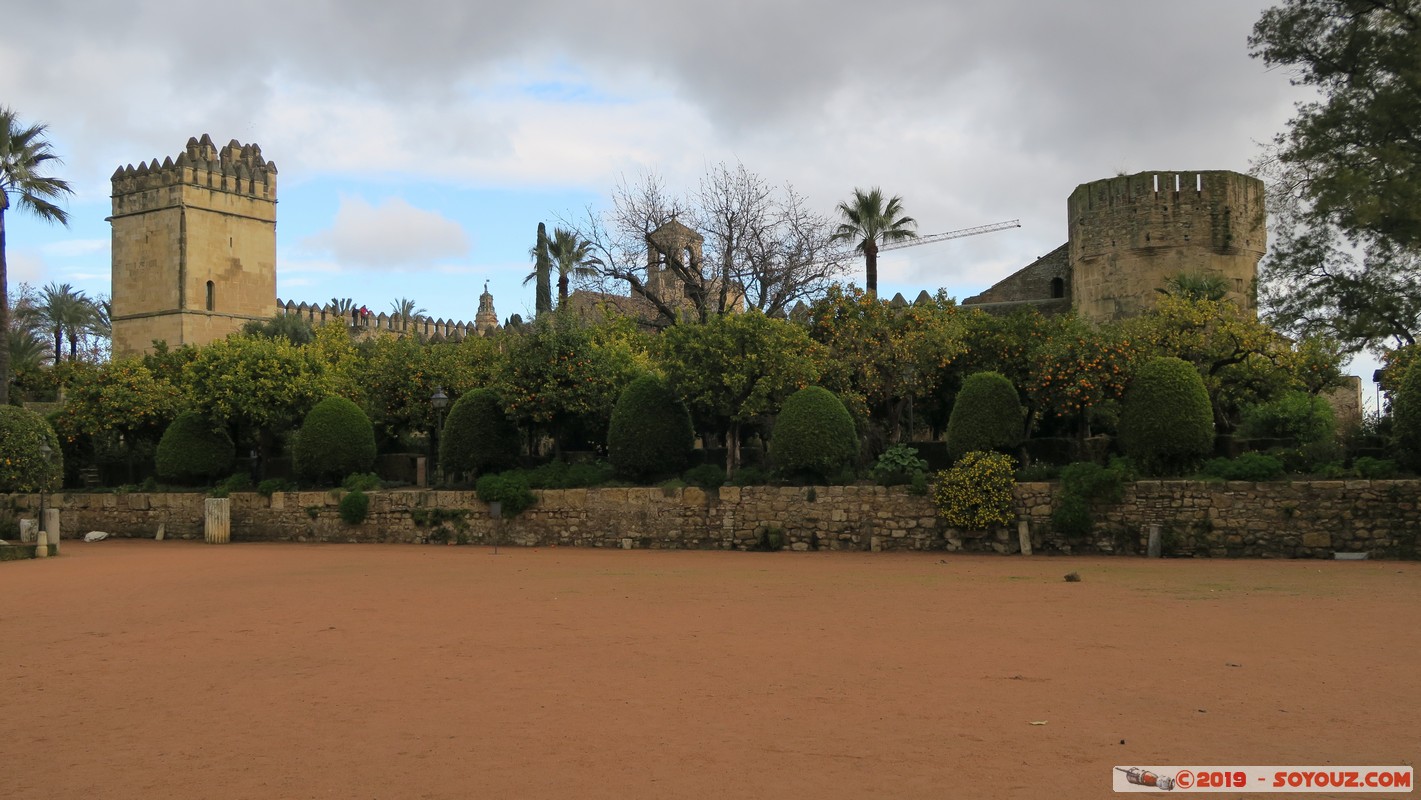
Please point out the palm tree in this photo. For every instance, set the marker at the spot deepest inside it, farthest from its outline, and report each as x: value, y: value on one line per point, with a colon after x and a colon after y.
x: 869, y: 221
x: 25, y: 156
x: 572, y: 257
x: 406, y: 311
x: 65, y: 312
x: 27, y: 351
x: 1196, y: 286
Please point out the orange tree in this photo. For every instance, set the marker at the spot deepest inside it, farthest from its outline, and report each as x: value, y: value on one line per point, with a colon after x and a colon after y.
x: 259, y: 387
x: 562, y: 376
x: 113, y: 411
x: 880, y: 356
x: 1078, y: 373
x: 735, y: 369
x: 1243, y: 361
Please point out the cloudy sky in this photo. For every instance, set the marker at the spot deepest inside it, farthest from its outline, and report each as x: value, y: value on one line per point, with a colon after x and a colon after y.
x: 419, y: 143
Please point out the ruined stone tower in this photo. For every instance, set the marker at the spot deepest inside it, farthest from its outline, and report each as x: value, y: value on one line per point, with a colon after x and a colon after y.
x: 194, y: 246
x: 1130, y: 234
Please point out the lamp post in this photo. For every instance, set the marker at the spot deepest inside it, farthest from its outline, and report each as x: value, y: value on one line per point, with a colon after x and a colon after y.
x: 440, y: 401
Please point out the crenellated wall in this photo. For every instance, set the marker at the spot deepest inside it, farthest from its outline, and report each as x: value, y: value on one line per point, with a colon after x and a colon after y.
x: 316, y: 314
x: 1304, y: 519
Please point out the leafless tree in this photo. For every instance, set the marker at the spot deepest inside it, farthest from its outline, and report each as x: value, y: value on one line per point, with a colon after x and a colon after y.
x: 762, y: 247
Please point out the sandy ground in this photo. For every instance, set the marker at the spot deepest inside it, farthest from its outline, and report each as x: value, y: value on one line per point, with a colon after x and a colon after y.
x: 139, y: 669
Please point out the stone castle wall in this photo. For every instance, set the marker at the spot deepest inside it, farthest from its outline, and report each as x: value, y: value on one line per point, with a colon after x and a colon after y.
x: 194, y: 245
x: 1305, y: 519
x: 372, y: 324
x: 1131, y: 233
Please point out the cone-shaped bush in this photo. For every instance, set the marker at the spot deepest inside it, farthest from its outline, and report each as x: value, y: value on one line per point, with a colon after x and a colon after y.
x: 814, y: 435
x: 650, y: 435
x: 336, y: 439
x: 478, y: 437
x: 985, y: 417
x: 193, y: 452
x: 23, y: 437
x: 1166, y: 422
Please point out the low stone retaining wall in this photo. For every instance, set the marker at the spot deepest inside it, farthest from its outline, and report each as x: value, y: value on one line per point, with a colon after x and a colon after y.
x: 1288, y: 520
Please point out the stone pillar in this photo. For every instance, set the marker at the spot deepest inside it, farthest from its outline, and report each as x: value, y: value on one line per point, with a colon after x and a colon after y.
x: 42, y: 547
x: 421, y: 472
x: 28, y: 529
x: 1155, y: 546
x: 51, y: 527
x: 217, y: 520
x: 1023, y: 536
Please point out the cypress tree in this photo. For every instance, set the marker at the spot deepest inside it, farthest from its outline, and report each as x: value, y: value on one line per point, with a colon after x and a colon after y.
x: 544, y: 267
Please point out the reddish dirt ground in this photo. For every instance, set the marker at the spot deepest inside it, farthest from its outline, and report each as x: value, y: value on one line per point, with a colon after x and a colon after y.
x: 168, y: 669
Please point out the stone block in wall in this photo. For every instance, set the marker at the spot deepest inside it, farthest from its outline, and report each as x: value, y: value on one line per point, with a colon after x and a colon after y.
x: 730, y: 495
x: 139, y: 502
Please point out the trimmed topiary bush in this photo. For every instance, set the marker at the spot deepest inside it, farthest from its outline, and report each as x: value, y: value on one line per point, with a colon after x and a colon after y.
x: 478, y: 436
x: 335, y: 440
x: 650, y: 435
x: 986, y: 416
x: 23, y: 435
x: 193, y: 452
x: 814, y: 435
x: 1166, y: 422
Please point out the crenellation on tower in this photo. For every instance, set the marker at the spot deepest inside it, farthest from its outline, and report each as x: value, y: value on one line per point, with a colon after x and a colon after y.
x: 194, y: 245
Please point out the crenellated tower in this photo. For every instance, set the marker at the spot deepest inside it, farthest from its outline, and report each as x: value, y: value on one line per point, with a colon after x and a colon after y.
x: 194, y: 245
x: 1131, y: 233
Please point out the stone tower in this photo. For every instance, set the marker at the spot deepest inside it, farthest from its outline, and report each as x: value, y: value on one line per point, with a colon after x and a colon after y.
x: 486, y: 320
x: 194, y: 246
x: 1130, y: 234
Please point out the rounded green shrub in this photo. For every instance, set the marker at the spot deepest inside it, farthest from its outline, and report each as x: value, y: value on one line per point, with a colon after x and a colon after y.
x: 985, y: 416
x: 23, y: 437
x: 192, y: 451
x: 335, y: 440
x: 650, y: 435
x: 814, y: 435
x: 1166, y: 422
x: 478, y: 436
x: 354, y: 507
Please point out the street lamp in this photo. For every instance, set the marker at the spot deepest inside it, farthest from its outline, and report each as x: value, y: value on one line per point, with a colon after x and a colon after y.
x: 440, y: 401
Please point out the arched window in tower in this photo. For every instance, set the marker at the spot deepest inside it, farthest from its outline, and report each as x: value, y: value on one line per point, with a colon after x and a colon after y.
x: 211, y: 296
x: 1058, y: 288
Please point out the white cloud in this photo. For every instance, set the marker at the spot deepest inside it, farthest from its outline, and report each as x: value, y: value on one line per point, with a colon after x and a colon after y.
x: 25, y: 266
x: 74, y: 248
x: 392, y: 234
